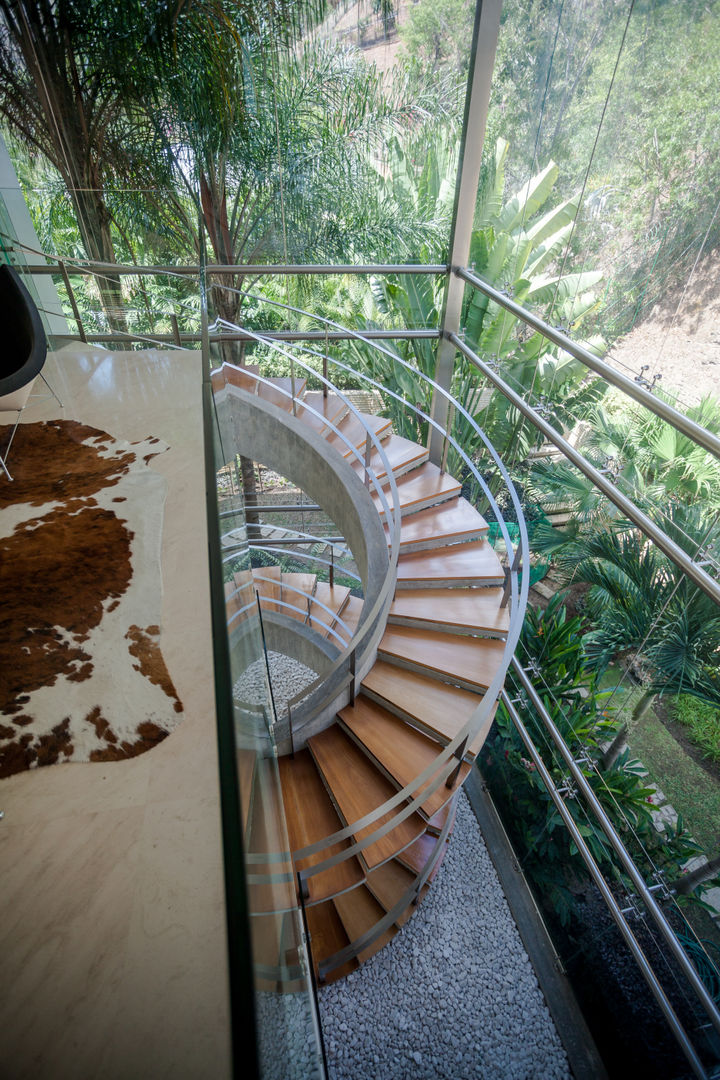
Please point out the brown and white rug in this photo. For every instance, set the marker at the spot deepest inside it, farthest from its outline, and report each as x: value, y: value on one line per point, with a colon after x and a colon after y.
x: 82, y: 677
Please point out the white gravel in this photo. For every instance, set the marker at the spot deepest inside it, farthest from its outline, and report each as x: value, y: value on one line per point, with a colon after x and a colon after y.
x: 453, y: 995
x: 288, y: 678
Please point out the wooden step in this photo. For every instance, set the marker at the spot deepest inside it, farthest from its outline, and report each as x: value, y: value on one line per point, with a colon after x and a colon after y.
x: 279, y: 390
x: 355, y: 431
x: 390, y: 883
x: 359, y: 912
x: 234, y: 603
x: 455, y: 566
x: 334, y: 597
x: 310, y: 817
x: 421, y: 488
x: 470, y: 662
x: 417, y: 855
x: 327, y: 937
x: 268, y: 582
x: 231, y: 375
x: 452, y: 522
x: 296, y: 590
x: 402, y: 752
x: 331, y: 410
x: 436, y: 707
x: 402, y: 455
x: 436, y: 824
x: 470, y: 611
x: 351, y: 612
x: 357, y: 788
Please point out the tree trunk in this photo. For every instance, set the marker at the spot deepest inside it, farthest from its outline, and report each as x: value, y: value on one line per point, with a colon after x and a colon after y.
x: 94, y: 224
x: 644, y: 705
x: 686, y: 884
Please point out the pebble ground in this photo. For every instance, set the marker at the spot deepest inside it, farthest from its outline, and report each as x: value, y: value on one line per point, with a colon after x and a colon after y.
x: 453, y: 995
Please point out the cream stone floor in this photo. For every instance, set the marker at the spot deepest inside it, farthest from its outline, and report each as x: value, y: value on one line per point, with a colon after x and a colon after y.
x: 112, y: 940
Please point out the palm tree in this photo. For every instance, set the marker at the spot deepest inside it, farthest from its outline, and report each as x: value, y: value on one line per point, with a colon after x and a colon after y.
x: 514, y: 243
x: 55, y: 98
x: 653, y: 462
x: 641, y: 605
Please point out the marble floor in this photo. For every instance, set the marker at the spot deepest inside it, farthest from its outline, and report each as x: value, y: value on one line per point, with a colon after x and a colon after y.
x: 112, y: 921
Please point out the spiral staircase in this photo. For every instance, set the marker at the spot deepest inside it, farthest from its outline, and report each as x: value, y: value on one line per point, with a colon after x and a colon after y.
x: 443, y: 644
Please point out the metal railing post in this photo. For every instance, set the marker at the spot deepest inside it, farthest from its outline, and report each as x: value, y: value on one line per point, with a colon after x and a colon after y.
x: 325, y: 366
x: 368, y: 454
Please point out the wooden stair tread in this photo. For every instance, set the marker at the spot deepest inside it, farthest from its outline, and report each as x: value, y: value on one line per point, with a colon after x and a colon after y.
x: 327, y: 937
x: 402, y: 751
x: 278, y: 391
x: 473, y: 610
x: 458, y: 564
x: 388, y: 884
x: 331, y: 409
x: 469, y: 661
x: 352, y: 611
x: 416, y: 856
x: 268, y: 582
x: 438, y: 707
x: 357, y: 788
x: 296, y: 588
x: 355, y: 430
x: 436, y: 824
x: 454, y: 521
x: 402, y: 455
x: 235, y: 601
x: 231, y: 375
x: 421, y: 488
x: 310, y: 817
x: 359, y: 912
x: 334, y: 597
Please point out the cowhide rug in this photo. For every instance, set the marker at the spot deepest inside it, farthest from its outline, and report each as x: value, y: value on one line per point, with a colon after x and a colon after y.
x: 82, y: 677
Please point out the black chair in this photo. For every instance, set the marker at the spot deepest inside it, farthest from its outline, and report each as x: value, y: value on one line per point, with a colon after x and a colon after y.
x: 23, y: 352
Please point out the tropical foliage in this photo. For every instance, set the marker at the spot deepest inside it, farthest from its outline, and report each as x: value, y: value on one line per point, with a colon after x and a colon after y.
x: 552, y: 650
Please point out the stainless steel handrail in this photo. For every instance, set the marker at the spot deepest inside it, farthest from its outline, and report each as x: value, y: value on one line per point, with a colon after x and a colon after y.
x: 473, y: 725
x: 678, y: 420
x: 619, y: 848
x: 384, y: 595
x: 612, y: 904
x: 674, y: 552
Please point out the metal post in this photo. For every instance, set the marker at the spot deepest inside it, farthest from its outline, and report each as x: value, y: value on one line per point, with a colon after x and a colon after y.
x: 509, y: 571
x: 325, y: 366
x: 482, y: 59
x: 353, y: 666
x: 459, y: 754
x: 446, y: 438
x: 73, y: 302
x: 292, y: 385
x: 596, y: 874
x: 368, y: 452
x: 332, y: 566
x: 176, y: 330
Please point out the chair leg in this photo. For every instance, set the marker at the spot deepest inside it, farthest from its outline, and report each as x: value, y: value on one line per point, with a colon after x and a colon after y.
x: 51, y: 390
x: 3, y: 460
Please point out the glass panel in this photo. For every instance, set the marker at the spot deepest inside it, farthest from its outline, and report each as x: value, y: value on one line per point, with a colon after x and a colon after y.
x: 289, y: 1040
